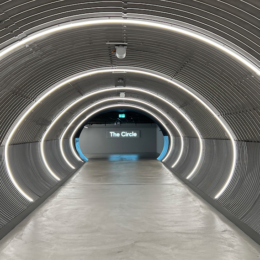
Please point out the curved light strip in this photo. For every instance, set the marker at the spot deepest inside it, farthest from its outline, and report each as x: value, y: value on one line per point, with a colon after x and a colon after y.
x: 43, y: 157
x: 146, y: 92
x: 172, y: 28
x: 13, y: 179
x: 112, y: 106
x: 85, y: 74
x: 111, y: 99
x: 137, y: 90
x: 106, y: 21
x: 128, y: 99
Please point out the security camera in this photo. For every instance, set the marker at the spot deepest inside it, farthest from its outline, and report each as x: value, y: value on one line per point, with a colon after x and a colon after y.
x: 120, y: 83
x: 120, y: 52
x: 122, y: 94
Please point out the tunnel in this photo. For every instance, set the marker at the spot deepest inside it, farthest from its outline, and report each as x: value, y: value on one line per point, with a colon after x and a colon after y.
x: 189, y: 70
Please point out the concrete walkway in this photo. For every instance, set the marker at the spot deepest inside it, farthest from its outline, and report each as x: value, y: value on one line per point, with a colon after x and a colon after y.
x: 126, y: 210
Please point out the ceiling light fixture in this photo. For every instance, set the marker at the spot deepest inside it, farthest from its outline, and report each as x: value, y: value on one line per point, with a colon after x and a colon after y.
x: 120, y: 52
x: 164, y: 26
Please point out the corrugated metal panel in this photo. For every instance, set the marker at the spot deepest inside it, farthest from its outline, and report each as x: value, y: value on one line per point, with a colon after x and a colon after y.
x: 231, y: 88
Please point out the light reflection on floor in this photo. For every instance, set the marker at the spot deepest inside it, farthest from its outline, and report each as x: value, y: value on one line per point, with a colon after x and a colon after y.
x: 123, y: 157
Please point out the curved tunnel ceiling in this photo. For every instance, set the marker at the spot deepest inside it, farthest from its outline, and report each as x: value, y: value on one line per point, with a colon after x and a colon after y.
x: 206, y: 58
x: 212, y: 85
x: 84, y: 98
x: 236, y: 21
x: 96, y: 110
x: 124, y: 104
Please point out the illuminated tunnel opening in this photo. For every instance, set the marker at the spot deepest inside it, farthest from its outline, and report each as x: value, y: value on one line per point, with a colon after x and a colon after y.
x: 121, y: 134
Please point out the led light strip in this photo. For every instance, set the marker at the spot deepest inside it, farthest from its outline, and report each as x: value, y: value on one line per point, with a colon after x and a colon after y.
x: 152, y: 74
x: 149, y: 93
x: 128, y: 99
x: 137, y: 90
x: 125, y: 88
x: 107, y: 100
x: 112, y: 106
x: 113, y: 89
x: 106, y: 21
x: 43, y: 155
x: 172, y: 28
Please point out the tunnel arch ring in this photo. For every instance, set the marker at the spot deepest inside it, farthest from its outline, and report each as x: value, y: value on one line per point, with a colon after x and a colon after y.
x: 96, y: 111
x: 175, y: 107
x: 141, y: 22
x: 76, y: 156
x: 174, y: 28
x: 133, y: 106
x: 184, y: 88
x: 127, y: 99
x: 81, y: 75
x: 135, y: 89
x: 245, y: 59
x: 122, y: 105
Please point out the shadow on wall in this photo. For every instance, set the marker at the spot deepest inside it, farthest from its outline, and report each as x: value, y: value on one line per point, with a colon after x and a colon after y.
x: 124, y: 157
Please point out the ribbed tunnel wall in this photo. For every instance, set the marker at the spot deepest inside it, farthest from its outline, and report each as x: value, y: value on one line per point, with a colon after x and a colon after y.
x: 226, y: 85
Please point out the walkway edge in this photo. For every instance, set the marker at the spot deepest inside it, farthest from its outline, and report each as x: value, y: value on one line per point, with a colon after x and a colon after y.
x: 15, y: 221
x: 241, y: 225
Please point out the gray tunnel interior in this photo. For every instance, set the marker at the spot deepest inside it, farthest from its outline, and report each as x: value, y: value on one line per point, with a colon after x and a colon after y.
x: 173, y: 75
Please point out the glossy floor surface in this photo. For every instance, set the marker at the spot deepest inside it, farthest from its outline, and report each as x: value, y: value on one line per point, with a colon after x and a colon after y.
x: 136, y: 210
